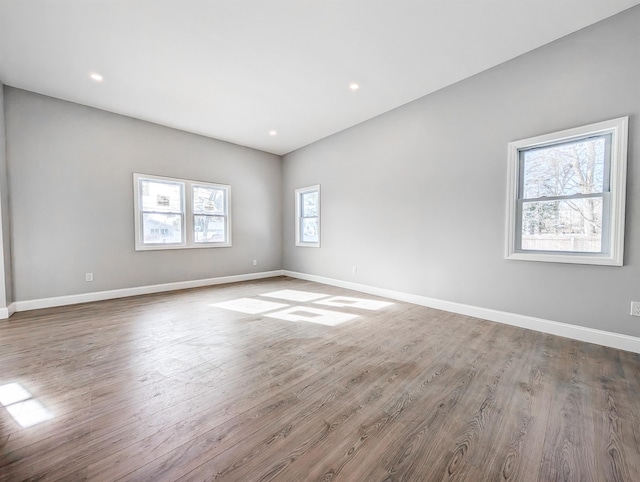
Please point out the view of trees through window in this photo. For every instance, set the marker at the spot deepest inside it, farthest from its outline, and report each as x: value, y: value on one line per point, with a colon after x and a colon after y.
x: 162, y: 211
x: 309, y: 226
x: 175, y: 213
x: 563, y: 190
x: 209, y: 214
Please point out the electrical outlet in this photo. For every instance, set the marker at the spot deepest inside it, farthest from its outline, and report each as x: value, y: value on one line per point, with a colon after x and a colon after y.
x: 88, y: 276
x: 354, y: 269
x: 255, y: 262
x: 635, y: 308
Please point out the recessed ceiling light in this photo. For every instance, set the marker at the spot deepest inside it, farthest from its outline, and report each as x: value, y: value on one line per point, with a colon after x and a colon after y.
x: 97, y: 77
x: 273, y: 132
x: 354, y: 86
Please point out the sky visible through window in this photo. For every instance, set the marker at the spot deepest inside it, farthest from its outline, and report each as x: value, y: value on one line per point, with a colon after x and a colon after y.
x: 574, y: 171
x: 310, y: 217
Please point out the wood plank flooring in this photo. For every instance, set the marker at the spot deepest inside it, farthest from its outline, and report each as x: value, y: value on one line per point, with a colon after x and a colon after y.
x: 173, y: 387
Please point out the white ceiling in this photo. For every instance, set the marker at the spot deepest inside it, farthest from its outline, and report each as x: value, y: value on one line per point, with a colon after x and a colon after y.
x: 236, y: 69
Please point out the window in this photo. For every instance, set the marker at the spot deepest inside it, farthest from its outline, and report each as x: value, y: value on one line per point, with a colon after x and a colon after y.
x: 178, y: 213
x: 308, y: 216
x: 566, y: 195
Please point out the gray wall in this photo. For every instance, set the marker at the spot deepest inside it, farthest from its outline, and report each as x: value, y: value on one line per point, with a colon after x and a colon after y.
x: 6, y: 292
x: 415, y: 198
x: 70, y: 176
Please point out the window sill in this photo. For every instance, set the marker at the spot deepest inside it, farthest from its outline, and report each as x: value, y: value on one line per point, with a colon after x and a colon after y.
x: 593, y: 259
x: 198, y: 246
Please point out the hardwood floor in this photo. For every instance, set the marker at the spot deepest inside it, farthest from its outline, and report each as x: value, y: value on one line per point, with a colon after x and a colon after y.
x: 172, y: 387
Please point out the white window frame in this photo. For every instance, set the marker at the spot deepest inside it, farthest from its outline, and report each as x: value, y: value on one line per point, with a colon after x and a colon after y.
x: 613, y: 245
x: 188, y: 230
x: 299, y: 193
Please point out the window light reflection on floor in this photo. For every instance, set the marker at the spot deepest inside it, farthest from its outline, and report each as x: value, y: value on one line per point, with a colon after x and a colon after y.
x: 250, y: 306
x: 295, y: 295
x: 287, y: 312
x: 12, y: 393
x: 312, y: 315
x: 21, y: 405
x: 349, y: 302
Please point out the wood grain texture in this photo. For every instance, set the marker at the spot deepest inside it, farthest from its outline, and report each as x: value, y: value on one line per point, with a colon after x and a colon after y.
x: 172, y: 387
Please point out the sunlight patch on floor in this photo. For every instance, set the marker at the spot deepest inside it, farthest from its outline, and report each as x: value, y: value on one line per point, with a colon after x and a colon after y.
x: 295, y: 295
x: 300, y: 313
x: 20, y: 404
x: 250, y: 306
x: 312, y: 315
x: 348, y: 301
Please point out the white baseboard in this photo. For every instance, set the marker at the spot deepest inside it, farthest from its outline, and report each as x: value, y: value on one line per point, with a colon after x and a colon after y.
x: 590, y: 335
x: 575, y: 332
x: 125, y: 292
x: 7, y: 311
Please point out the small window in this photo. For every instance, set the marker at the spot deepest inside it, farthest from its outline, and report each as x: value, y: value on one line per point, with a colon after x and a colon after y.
x: 179, y: 213
x: 566, y: 195
x: 308, y: 216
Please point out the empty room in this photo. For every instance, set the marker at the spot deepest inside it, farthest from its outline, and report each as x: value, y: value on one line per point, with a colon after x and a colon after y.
x: 300, y: 240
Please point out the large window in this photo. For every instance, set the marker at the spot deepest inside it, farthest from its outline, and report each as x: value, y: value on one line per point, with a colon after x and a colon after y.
x: 308, y: 216
x: 178, y: 213
x: 566, y: 195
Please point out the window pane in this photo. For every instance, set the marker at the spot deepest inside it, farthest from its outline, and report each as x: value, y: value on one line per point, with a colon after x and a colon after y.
x: 564, y: 169
x: 309, y: 228
x: 568, y: 225
x: 161, y: 196
x: 208, y: 200
x: 209, y: 229
x: 309, y: 204
x: 161, y: 228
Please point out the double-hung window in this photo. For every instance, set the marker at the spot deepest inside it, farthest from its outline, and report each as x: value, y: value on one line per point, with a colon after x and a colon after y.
x: 161, y: 209
x: 308, y: 216
x: 210, y: 219
x: 566, y: 195
x: 179, y: 213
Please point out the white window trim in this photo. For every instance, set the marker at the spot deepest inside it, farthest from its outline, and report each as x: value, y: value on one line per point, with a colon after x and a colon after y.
x: 299, y: 193
x: 187, y: 214
x: 618, y: 128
